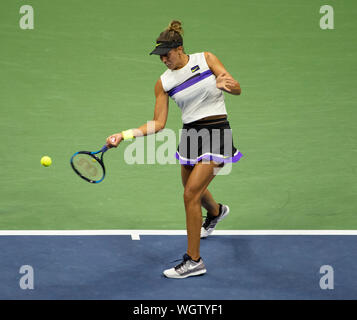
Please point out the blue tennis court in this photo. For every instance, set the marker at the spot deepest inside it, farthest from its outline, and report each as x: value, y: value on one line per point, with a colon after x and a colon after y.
x: 118, y: 267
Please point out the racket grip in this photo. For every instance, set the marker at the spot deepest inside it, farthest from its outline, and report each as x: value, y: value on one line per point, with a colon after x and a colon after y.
x: 105, y: 148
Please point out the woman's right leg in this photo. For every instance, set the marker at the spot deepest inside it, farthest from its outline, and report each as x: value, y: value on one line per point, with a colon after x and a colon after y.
x: 207, y: 200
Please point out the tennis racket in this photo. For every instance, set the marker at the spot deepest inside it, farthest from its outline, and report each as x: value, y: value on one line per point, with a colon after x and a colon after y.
x: 89, y: 165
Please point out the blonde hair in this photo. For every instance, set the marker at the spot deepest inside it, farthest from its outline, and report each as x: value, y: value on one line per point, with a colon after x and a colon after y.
x: 173, y: 32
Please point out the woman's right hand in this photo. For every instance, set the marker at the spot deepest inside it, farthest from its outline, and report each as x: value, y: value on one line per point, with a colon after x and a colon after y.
x: 114, y: 140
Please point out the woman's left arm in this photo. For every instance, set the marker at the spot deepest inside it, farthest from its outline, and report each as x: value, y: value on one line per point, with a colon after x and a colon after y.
x: 224, y: 80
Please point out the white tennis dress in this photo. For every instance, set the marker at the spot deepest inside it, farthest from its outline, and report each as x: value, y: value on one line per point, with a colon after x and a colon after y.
x: 194, y: 90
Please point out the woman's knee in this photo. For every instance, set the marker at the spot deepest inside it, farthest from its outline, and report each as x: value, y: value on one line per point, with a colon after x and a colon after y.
x: 191, y: 194
x: 185, y: 173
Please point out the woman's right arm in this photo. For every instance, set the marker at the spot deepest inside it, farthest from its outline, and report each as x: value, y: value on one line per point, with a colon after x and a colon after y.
x: 158, y: 123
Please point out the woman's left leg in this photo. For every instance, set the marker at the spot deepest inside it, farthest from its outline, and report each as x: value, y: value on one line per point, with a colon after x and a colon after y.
x: 207, y: 200
x: 198, y: 181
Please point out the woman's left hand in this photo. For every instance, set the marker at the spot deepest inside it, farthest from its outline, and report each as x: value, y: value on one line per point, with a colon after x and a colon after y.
x: 227, y: 83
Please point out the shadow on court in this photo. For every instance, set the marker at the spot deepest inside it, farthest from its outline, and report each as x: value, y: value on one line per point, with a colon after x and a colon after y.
x: 117, y: 267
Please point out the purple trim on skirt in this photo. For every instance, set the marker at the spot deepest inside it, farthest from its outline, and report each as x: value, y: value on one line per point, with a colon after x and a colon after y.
x: 192, y: 162
x: 190, y: 82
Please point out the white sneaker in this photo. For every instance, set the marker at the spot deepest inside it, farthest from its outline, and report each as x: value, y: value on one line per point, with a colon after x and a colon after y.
x: 210, y: 222
x: 186, y: 268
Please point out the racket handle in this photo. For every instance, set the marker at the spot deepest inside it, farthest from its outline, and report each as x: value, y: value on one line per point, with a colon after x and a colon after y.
x: 105, y: 148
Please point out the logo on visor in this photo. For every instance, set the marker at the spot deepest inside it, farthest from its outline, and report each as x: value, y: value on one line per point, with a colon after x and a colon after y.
x: 195, y: 68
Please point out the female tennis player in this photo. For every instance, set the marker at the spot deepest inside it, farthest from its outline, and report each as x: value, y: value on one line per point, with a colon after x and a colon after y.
x: 196, y: 83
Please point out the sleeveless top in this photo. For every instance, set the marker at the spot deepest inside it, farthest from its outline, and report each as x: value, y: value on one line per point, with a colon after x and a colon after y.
x: 194, y: 90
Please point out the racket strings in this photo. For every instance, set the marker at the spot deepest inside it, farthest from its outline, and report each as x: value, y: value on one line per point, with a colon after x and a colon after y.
x: 88, y: 167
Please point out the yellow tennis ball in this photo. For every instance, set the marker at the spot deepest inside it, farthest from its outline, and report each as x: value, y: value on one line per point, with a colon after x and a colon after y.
x: 46, y: 161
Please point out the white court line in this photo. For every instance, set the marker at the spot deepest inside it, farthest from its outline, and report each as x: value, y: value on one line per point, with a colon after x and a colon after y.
x: 135, y: 234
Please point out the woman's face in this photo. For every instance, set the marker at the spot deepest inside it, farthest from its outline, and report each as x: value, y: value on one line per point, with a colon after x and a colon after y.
x: 172, y: 59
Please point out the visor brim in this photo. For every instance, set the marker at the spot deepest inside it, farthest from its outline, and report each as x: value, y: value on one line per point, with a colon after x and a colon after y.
x: 161, y: 51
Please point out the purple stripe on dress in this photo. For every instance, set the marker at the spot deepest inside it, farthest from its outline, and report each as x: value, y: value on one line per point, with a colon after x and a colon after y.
x: 190, y: 82
x: 192, y: 162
